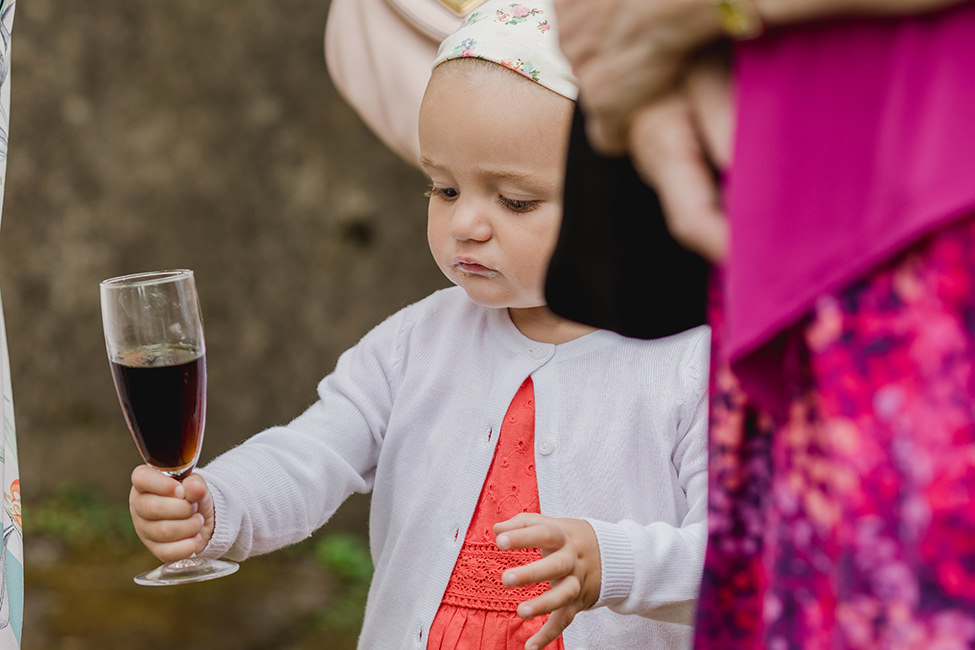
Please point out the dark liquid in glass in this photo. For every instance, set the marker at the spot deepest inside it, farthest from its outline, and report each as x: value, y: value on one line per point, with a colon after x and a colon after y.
x: 163, y: 395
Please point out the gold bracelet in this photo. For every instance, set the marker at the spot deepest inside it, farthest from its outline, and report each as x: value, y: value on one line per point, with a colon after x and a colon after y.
x: 739, y: 18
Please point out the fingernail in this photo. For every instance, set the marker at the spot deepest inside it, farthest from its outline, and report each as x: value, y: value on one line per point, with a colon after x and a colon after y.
x: 508, y: 578
x: 503, y: 542
x: 199, y: 518
x: 179, y: 491
x: 524, y: 611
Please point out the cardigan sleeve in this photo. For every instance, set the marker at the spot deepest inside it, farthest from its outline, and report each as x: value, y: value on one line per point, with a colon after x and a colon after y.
x: 654, y: 570
x: 282, y: 484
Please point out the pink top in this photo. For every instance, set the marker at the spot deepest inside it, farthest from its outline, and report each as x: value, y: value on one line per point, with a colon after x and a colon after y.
x: 854, y: 139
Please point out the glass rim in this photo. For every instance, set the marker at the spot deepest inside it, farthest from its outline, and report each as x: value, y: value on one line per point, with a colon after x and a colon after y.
x: 145, y: 278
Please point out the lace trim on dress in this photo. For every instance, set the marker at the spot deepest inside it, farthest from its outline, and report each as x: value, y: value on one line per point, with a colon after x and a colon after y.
x: 476, y: 581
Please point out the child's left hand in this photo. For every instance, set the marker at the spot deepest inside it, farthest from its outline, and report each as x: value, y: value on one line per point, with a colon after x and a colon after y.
x: 570, y: 562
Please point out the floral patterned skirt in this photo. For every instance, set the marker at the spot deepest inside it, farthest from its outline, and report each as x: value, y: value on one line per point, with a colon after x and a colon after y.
x: 851, y: 522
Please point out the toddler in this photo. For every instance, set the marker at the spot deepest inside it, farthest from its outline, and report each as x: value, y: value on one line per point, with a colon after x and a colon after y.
x: 535, y: 482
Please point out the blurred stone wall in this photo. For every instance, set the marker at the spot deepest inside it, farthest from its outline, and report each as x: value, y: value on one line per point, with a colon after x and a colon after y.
x: 190, y: 134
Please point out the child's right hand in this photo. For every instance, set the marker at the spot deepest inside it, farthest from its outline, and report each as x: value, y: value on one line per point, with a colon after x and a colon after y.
x: 174, y: 520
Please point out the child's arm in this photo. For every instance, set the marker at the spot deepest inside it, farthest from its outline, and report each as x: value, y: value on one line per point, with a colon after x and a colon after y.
x: 174, y: 520
x: 648, y: 569
x: 281, y: 485
x: 653, y: 569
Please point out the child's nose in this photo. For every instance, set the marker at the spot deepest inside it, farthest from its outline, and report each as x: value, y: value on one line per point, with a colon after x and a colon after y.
x: 468, y: 223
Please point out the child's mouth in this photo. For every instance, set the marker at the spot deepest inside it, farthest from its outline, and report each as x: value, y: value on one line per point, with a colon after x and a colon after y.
x: 470, y: 267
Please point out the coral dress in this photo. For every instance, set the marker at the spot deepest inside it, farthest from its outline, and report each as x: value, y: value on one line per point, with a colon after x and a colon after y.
x: 477, y: 611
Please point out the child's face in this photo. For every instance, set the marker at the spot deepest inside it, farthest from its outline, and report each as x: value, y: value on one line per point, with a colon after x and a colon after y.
x: 493, y: 145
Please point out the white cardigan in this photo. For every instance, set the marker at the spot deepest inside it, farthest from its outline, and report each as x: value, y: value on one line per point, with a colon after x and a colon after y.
x: 412, y: 413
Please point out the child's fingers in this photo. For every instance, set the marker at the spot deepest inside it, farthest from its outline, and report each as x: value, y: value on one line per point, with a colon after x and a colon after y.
x: 564, y: 593
x: 147, y: 479
x: 520, y: 520
x: 195, y: 488
x: 553, y: 567
x: 554, y: 626
x: 198, y: 494
x: 173, y: 551
x: 168, y: 531
x: 530, y: 531
x: 165, y: 514
x: 153, y: 507
x: 170, y: 538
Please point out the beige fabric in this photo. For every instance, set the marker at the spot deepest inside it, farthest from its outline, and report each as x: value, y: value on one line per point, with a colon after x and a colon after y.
x: 379, y: 54
x: 521, y: 37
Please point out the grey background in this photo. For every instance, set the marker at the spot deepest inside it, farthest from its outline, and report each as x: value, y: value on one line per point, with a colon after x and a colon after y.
x: 185, y: 134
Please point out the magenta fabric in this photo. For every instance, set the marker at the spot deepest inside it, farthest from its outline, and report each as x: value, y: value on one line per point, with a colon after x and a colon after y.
x: 851, y: 523
x: 854, y: 138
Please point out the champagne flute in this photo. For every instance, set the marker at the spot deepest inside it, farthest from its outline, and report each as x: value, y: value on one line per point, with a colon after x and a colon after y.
x: 154, y: 337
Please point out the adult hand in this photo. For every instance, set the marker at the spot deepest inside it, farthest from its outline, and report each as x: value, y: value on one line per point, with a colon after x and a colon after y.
x: 570, y: 563
x: 174, y: 520
x: 626, y: 53
x: 679, y: 143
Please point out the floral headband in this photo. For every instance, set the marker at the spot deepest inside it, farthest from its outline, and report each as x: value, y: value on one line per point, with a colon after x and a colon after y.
x: 521, y: 37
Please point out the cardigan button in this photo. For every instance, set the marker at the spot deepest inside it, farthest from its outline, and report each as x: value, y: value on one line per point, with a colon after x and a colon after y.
x: 546, y: 446
x: 538, y: 352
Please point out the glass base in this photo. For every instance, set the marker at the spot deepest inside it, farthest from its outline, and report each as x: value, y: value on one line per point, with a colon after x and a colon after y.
x: 192, y: 569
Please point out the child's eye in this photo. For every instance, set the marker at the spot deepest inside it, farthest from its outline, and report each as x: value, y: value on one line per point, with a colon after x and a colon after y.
x: 446, y: 193
x: 518, y: 206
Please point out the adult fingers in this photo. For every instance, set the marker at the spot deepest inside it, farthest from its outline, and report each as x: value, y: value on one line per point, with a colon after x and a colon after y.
x: 668, y: 153
x: 610, y: 72
x: 610, y: 97
x: 708, y: 87
x: 693, y: 217
x: 606, y: 132
x: 582, y: 23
